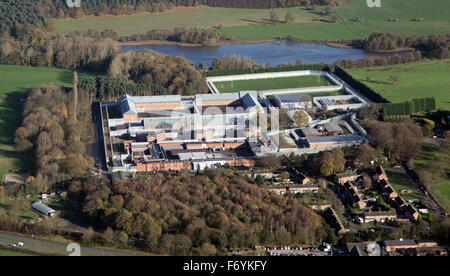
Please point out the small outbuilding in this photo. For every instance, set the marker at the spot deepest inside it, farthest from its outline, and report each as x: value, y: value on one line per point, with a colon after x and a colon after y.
x: 43, y: 209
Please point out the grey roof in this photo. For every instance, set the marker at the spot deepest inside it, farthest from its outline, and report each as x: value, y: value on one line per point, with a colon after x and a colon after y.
x: 326, y: 101
x: 310, y: 131
x: 42, y: 208
x: 294, y: 98
x: 335, y: 139
x: 128, y: 107
x: 155, y: 99
x: 331, y: 127
x: 400, y: 243
x: 150, y: 122
x: 217, y: 97
x: 250, y: 101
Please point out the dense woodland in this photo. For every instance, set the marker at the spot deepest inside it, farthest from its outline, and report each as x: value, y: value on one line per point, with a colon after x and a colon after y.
x: 106, y: 88
x: 51, y: 129
x: 178, y: 74
x: 389, y: 41
x: 187, y: 214
x: 65, y: 52
x: 399, y: 142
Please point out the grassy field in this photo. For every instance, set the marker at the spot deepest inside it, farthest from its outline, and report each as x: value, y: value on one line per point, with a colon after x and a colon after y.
x: 416, y: 80
x: 441, y: 188
x: 15, y: 81
x: 202, y: 17
x: 399, y: 182
x: 254, y: 23
x: 434, y: 12
x: 271, y: 84
x: 5, y: 253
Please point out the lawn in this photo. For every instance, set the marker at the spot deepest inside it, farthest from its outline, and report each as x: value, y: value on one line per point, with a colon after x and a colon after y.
x: 5, y: 253
x: 399, y: 182
x: 434, y: 12
x: 416, y: 80
x: 271, y: 84
x: 15, y: 81
x: 202, y: 17
x: 441, y: 188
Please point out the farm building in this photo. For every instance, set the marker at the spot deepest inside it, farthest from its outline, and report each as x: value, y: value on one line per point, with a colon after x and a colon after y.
x: 41, y: 208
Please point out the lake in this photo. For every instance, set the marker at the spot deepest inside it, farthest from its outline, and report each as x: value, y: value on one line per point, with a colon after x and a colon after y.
x: 266, y: 52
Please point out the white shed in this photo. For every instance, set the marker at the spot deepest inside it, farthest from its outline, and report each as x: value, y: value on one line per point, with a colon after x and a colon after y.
x: 43, y: 209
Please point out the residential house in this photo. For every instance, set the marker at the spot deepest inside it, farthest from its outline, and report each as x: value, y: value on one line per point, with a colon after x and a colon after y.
x: 379, y: 216
x: 393, y: 245
x: 380, y: 174
x: 341, y: 178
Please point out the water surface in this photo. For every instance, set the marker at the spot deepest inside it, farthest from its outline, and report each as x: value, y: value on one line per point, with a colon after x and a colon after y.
x: 274, y: 53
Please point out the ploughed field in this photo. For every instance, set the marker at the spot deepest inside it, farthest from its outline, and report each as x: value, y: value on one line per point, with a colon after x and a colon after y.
x: 271, y: 84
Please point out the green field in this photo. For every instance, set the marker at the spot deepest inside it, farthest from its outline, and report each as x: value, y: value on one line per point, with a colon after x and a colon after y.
x: 434, y: 12
x: 203, y: 18
x: 5, y: 253
x: 440, y: 189
x: 399, y: 182
x: 15, y: 81
x: 271, y: 84
x: 416, y: 80
x: 254, y: 23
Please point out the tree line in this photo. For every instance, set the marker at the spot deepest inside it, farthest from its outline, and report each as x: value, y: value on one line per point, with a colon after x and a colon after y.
x: 206, y: 37
x: 186, y: 214
x: 409, y: 107
x: 65, y: 52
x: 434, y: 44
x: 237, y: 65
x: 414, y: 56
x: 266, y: 4
x: 51, y: 130
x: 106, y: 88
x: 176, y: 73
x: 399, y: 142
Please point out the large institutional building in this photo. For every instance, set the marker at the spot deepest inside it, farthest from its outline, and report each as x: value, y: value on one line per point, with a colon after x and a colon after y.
x: 148, y: 134
x: 160, y: 133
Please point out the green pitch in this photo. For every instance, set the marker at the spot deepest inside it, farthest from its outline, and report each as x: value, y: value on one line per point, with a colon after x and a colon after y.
x: 271, y: 84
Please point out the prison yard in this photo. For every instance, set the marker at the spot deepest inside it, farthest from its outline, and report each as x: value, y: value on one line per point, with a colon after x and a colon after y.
x: 405, y: 82
x: 271, y: 84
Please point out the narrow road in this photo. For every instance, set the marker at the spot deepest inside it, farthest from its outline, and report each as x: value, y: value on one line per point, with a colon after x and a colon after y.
x: 428, y: 198
x: 52, y: 248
